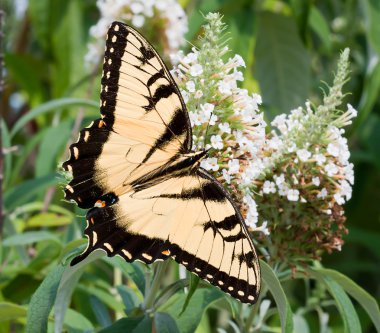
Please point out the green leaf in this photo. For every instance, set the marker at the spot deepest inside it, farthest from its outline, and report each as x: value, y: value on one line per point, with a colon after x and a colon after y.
x: 76, y: 322
x: 194, y: 281
x: 129, y: 297
x: 320, y: 26
x: 28, y: 72
x: 40, y: 15
x: 170, y: 290
x: 105, y: 297
x: 273, y: 284
x: 300, y: 324
x: 373, y: 26
x: 300, y: 9
x: 25, y: 192
x: 42, y: 301
x: 100, y: 311
x: 368, y: 303
x: 282, y: 63
x: 68, y: 47
x: 370, y: 136
x: 23, y: 154
x: 346, y: 309
x: 189, y: 320
x: 72, y: 249
x: 51, y: 146
x: 30, y: 237
x: 241, y: 22
x: 11, y: 311
x: 48, y: 220
x: 131, y: 270
x: 51, y: 106
x: 124, y: 325
x: 67, y: 285
x: 371, y: 90
x: 366, y: 238
x: 47, y: 252
x: 164, y: 323
x: 38, y: 206
x: 144, y: 326
x: 6, y: 143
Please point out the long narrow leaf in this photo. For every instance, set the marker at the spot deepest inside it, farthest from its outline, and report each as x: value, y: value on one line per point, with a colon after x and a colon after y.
x: 362, y: 297
x: 349, y: 316
x: 50, y: 149
x: 6, y: 140
x: 194, y: 281
x: 189, y: 320
x: 11, y: 311
x: 282, y: 63
x: 42, y: 301
x: 27, y: 190
x: 30, y: 237
x: 274, y: 286
x: 50, y: 107
x: 67, y: 284
x: 131, y: 270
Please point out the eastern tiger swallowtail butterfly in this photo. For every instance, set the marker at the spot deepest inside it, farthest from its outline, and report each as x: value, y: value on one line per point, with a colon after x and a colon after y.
x: 148, y: 197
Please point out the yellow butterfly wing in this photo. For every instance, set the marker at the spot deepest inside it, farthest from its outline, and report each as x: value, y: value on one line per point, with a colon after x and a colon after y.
x: 190, y: 218
x: 143, y: 122
x: 144, y: 127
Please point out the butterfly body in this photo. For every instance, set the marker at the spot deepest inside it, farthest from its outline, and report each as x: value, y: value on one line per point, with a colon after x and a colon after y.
x: 148, y: 197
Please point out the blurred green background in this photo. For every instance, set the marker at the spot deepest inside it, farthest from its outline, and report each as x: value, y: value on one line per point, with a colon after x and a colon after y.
x: 289, y: 48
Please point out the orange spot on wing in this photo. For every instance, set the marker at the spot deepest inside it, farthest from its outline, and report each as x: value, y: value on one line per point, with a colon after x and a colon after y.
x: 100, y: 204
x: 166, y: 252
x: 101, y: 123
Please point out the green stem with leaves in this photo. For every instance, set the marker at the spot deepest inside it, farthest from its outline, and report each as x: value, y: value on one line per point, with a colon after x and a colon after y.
x: 152, y: 289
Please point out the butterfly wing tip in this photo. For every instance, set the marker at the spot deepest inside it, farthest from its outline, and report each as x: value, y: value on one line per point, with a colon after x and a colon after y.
x: 78, y: 259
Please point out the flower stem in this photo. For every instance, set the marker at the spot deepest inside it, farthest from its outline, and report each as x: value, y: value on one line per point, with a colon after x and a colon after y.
x: 117, y: 281
x: 152, y: 289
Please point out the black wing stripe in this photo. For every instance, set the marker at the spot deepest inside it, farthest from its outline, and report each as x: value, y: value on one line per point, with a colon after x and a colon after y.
x: 176, y: 127
x: 183, y: 256
x: 228, y: 223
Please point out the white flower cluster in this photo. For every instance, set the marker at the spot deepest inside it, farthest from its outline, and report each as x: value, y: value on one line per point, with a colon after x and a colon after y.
x: 225, y: 118
x: 327, y: 157
x: 136, y: 13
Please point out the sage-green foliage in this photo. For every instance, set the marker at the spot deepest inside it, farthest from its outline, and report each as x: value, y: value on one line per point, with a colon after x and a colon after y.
x: 289, y: 48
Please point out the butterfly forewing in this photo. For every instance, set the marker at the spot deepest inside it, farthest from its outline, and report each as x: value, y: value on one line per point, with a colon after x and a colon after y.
x: 151, y: 208
x: 143, y: 121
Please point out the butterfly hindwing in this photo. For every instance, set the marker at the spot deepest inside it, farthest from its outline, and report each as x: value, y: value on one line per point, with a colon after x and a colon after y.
x: 103, y: 232
x: 190, y: 218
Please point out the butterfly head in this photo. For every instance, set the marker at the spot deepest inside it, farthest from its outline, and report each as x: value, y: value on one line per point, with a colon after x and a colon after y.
x: 194, y: 159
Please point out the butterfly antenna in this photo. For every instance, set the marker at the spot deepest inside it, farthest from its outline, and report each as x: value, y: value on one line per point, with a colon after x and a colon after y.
x: 208, y: 125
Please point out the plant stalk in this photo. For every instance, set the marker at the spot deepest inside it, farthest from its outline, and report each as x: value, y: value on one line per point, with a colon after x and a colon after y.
x: 2, y: 15
x: 151, y: 293
x: 254, y: 310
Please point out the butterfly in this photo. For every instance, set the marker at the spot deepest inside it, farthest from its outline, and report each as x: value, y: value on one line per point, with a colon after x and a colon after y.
x: 148, y: 197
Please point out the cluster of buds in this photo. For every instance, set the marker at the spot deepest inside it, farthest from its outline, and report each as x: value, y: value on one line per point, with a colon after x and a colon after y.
x: 163, y: 22
x: 307, y: 177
